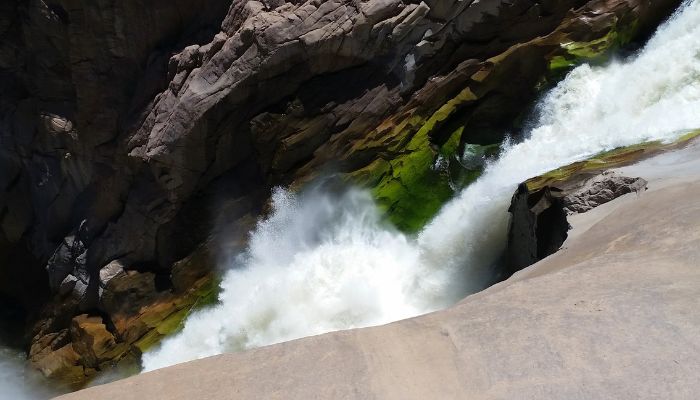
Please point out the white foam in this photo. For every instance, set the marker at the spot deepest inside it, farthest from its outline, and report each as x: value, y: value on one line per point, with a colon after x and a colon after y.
x: 16, y: 381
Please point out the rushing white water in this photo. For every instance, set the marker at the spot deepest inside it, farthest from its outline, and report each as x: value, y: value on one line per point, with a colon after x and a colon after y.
x: 323, y: 263
x: 17, y: 382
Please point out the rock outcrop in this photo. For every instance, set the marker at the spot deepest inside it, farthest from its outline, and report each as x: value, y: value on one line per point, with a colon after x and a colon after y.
x: 539, y: 223
x: 541, y: 206
x: 538, y: 226
x: 146, y: 136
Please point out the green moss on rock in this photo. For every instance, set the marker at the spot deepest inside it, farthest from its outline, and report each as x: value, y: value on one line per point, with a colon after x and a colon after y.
x: 203, y: 294
x: 411, y: 184
x: 596, y: 50
x: 413, y: 177
x: 411, y: 189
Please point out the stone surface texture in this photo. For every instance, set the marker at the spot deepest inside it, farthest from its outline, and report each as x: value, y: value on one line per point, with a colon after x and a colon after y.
x: 601, y: 190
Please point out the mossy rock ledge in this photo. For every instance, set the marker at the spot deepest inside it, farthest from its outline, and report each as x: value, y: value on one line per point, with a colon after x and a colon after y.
x: 421, y: 150
x: 572, y: 174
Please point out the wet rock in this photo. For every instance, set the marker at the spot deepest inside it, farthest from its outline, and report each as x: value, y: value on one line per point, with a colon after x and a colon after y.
x: 48, y: 344
x: 64, y: 365
x: 77, y: 352
x: 139, y: 317
x: 108, y: 273
x: 57, y: 124
x: 67, y: 268
x: 125, y: 291
x: 538, y: 227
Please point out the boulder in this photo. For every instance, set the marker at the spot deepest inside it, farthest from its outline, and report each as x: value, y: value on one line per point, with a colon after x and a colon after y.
x: 64, y: 365
x: 600, y: 190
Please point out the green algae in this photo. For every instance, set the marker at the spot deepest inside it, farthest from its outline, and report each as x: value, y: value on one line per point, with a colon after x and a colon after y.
x: 412, y: 190
x: 597, y: 50
x: 451, y: 146
x: 411, y: 187
x: 415, y: 177
x: 414, y: 183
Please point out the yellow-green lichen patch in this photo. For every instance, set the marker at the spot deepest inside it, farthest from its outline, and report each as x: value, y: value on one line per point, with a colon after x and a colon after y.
x: 392, y: 136
x: 606, y: 160
x: 688, y: 136
x: 204, y: 293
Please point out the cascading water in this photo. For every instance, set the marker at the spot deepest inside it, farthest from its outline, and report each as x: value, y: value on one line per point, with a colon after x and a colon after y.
x: 321, y: 263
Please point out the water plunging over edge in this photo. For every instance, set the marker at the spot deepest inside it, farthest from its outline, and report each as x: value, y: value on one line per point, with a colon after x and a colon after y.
x: 321, y: 263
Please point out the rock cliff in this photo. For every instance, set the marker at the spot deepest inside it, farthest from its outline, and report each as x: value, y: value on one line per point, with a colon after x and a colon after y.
x: 140, y: 141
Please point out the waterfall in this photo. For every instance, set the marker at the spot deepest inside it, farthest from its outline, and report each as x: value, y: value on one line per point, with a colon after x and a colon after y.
x: 325, y: 262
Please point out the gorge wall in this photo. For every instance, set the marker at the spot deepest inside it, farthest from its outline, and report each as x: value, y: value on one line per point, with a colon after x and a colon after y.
x: 135, y: 140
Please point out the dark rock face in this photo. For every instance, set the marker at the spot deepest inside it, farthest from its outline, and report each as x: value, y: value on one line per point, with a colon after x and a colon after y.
x: 539, y: 226
x: 135, y: 133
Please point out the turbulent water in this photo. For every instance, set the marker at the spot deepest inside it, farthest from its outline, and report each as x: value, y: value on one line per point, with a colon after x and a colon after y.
x: 16, y: 381
x: 322, y: 263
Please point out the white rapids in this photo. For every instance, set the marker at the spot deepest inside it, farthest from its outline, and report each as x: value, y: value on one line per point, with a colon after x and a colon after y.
x: 17, y: 381
x: 321, y: 263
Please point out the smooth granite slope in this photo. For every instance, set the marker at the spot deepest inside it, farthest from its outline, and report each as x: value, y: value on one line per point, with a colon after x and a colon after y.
x: 612, y: 315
